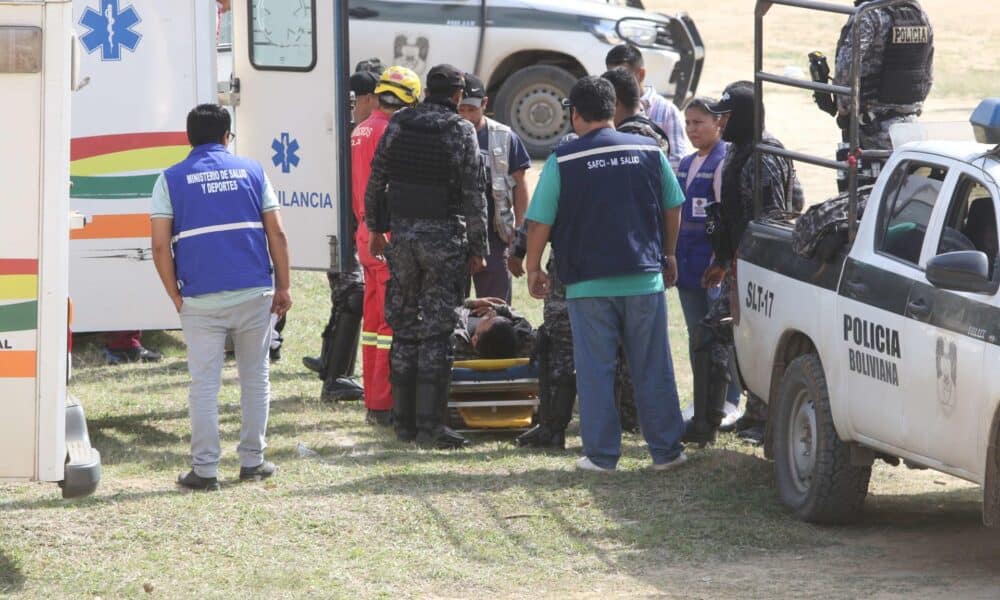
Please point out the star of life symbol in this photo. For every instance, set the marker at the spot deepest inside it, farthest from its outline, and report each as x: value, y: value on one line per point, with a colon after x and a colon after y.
x: 110, y: 29
x: 285, y: 150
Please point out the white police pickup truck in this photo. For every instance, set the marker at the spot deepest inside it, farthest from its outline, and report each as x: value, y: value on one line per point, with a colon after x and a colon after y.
x: 529, y: 52
x: 887, y: 349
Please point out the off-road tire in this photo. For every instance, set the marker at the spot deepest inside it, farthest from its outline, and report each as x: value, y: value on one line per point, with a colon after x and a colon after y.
x: 549, y: 85
x: 835, y: 492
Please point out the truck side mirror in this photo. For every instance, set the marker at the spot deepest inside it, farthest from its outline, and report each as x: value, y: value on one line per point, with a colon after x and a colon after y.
x: 962, y: 271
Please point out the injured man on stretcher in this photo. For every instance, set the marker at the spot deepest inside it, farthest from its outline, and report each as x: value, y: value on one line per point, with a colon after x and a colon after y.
x: 488, y: 328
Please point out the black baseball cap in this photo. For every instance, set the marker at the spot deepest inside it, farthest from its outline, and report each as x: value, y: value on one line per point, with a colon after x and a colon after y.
x: 373, y: 65
x: 444, y: 79
x: 363, y: 83
x: 733, y: 97
x: 475, y: 91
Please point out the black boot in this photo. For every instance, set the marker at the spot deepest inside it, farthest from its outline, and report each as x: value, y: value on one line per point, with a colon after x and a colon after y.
x: 381, y: 418
x: 340, y: 338
x: 711, y: 382
x: 342, y: 388
x: 555, y: 413
x: 404, y: 409
x: 313, y: 363
x: 432, y: 407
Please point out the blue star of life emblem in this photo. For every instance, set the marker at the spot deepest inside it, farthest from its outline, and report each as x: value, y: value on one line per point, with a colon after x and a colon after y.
x: 110, y: 29
x: 285, y: 152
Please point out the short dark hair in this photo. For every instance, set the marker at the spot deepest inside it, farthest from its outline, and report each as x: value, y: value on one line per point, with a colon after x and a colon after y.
x: 207, y: 124
x: 593, y: 98
x: 499, y: 341
x: 626, y: 87
x: 624, y: 54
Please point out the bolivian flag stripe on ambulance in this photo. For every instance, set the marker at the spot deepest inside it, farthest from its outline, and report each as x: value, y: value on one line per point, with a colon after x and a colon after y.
x: 121, y: 167
x: 18, y: 317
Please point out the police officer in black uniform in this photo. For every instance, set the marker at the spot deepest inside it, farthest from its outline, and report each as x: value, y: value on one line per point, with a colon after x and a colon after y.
x: 896, y: 45
x: 427, y: 188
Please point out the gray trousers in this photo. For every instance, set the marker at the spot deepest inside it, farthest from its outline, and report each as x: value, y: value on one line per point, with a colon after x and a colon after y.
x: 249, y: 326
x: 494, y: 281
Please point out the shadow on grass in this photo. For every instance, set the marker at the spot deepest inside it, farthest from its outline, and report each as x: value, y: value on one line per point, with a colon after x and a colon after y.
x: 147, y: 437
x: 11, y: 577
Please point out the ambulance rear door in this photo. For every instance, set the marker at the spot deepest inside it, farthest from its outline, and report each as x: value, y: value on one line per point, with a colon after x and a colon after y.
x: 148, y: 62
x: 292, y: 111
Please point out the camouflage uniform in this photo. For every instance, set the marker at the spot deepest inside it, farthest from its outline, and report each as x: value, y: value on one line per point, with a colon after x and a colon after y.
x: 461, y: 338
x: 426, y: 185
x: 875, y: 36
x: 640, y: 125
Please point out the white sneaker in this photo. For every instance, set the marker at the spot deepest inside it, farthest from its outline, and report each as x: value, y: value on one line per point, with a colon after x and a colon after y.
x: 584, y: 464
x: 680, y: 460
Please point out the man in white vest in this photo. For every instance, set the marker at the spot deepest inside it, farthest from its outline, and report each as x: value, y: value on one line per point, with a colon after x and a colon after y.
x: 506, y: 159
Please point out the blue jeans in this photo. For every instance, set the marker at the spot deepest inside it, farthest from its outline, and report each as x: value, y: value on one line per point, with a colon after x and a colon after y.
x: 695, y: 303
x: 639, y: 324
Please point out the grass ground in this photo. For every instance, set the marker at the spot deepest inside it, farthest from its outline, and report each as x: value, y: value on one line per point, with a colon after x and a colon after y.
x: 354, y: 514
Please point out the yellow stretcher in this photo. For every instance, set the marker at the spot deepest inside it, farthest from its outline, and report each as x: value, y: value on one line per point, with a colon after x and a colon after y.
x: 493, y: 394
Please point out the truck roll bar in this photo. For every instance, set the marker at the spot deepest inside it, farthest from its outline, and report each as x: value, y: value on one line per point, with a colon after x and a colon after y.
x: 853, y: 92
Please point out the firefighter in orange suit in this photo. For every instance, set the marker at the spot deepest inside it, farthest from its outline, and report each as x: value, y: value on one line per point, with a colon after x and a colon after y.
x: 397, y: 89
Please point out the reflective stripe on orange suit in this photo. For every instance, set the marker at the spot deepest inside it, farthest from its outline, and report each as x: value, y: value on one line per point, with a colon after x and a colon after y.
x: 376, y: 336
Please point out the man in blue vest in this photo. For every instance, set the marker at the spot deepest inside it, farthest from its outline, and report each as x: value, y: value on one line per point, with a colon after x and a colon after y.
x: 611, y: 205
x: 216, y: 233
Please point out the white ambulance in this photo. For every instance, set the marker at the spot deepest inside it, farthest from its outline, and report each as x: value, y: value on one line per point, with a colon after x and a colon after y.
x: 148, y: 63
x: 138, y: 67
x: 43, y: 435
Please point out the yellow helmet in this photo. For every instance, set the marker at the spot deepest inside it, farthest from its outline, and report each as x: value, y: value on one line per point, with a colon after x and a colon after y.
x: 401, y: 83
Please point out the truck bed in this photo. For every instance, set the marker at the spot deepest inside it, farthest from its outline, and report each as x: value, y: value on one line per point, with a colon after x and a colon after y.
x: 768, y: 244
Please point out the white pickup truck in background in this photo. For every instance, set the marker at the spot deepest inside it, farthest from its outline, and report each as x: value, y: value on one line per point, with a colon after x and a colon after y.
x: 529, y: 52
x: 888, y: 348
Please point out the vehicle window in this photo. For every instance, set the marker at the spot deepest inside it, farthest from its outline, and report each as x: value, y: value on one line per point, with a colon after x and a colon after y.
x: 283, y: 34
x: 224, y: 32
x: 910, y: 196
x: 971, y: 223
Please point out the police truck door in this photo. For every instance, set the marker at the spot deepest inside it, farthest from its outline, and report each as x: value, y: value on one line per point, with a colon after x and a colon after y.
x: 416, y: 34
x: 956, y: 333
x: 874, y: 301
x: 290, y: 115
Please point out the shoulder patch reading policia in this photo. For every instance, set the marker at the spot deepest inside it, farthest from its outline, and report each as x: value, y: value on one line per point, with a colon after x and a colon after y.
x: 911, y: 35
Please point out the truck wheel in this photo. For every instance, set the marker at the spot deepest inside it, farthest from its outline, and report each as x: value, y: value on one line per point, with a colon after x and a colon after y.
x: 530, y: 102
x: 815, y: 476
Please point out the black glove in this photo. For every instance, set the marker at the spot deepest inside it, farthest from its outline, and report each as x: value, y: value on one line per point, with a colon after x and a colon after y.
x: 718, y: 231
x: 819, y: 70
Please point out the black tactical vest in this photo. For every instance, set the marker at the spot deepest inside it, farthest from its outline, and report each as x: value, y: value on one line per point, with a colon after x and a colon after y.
x: 423, y: 167
x: 906, y: 63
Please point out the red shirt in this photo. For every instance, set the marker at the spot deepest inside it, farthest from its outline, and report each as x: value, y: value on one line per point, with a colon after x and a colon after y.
x: 364, y: 140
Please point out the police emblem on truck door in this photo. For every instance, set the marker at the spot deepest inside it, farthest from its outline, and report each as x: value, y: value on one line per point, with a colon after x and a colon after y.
x: 946, y: 364
x: 411, y: 53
